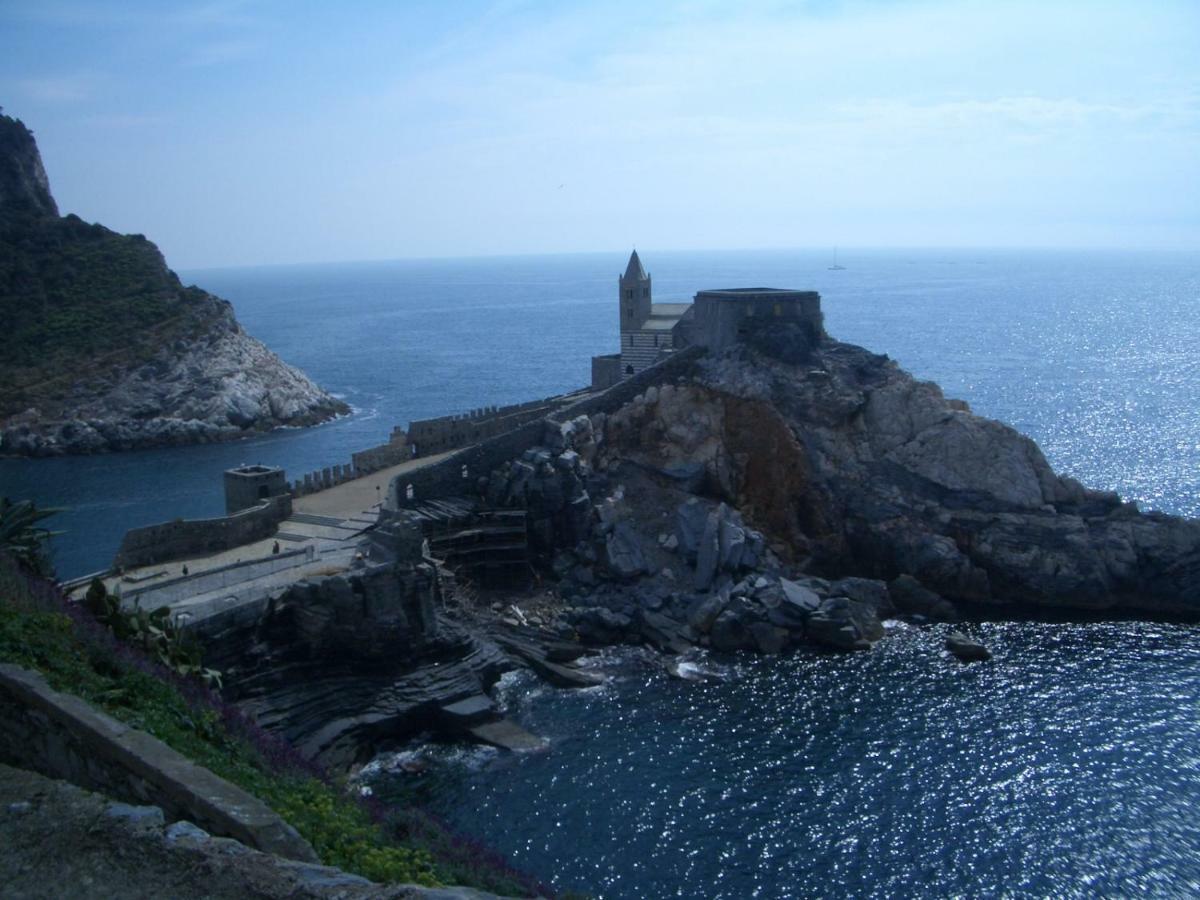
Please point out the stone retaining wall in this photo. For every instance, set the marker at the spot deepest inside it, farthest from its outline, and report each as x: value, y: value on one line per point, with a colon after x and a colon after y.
x: 186, y: 538
x: 678, y: 363
x: 63, y: 737
x: 457, y: 475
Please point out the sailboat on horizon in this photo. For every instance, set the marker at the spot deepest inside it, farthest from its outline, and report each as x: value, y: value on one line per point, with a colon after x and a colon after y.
x: 835, y: 267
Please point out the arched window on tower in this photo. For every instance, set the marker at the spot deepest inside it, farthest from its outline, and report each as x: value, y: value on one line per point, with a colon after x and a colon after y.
x: 628, y: 293
x: 629, y: 370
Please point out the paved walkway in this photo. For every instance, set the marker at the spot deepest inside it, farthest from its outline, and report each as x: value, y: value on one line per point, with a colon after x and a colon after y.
x: 330, y: 521
x: 351, y: 498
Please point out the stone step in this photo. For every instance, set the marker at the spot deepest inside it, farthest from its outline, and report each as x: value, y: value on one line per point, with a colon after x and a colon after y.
x: 471, y: 710
x: 507, y: 735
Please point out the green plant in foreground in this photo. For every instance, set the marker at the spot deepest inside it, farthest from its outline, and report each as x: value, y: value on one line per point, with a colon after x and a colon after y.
x: 153, y: 632
x: 21, y: 537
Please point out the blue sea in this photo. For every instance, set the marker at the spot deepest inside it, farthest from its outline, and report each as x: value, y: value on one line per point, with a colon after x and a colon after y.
x: 1069, y: 766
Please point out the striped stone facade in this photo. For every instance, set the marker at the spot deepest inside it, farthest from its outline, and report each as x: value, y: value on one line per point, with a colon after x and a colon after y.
x: 642, y: 348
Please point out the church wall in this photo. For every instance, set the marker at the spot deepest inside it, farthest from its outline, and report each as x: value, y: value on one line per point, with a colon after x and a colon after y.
x: 641, y: 349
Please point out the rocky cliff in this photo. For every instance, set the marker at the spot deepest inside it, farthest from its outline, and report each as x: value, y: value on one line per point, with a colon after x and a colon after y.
x: 798, y: 489
x: 105, y: 348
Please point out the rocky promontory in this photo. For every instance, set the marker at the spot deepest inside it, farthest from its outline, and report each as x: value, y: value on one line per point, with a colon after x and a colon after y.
x: 799, y: 490
x: 789, y: 492
x: 107, y: 350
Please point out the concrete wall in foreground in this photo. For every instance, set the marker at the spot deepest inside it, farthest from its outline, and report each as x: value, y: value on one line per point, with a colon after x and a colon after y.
x: 186, y: 538
x: 61, y: 736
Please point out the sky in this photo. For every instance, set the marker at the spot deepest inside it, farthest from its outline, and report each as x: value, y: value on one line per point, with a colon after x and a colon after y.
x: 246, y: 133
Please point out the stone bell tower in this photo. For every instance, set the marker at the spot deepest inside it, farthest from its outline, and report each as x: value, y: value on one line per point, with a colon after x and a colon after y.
x: 634, y: 288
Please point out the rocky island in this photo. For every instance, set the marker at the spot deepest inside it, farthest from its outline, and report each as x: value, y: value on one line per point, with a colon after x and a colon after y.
x: 106, y: 350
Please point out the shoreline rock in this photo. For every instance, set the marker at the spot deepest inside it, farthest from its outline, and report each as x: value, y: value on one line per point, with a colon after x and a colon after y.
x: 966, y: 649
x: 222, y: 386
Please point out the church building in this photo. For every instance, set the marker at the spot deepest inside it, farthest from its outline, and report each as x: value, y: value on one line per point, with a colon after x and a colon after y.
x: 717, y: 318
x: 649, y: 331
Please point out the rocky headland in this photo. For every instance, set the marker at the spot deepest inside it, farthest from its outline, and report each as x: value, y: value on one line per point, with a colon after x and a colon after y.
x: 793, y: 491
x: 803, y: 490
x: 107, y: 350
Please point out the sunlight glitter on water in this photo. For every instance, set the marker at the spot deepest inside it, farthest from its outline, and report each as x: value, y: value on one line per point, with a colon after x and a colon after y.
x: 898, y: 772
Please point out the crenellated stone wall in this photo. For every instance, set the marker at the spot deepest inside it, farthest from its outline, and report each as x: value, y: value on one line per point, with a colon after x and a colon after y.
x: 459, y: 473
x: 397, y: 450
x: 185, y: 538
x: 432, y: 436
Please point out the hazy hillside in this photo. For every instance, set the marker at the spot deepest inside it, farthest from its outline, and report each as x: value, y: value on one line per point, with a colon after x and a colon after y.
x: 98, y: 329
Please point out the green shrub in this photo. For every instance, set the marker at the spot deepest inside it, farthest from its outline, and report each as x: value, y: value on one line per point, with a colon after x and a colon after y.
x: 22, y: 538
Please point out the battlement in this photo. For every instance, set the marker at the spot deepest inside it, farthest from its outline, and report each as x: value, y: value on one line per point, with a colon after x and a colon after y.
x: 431, y: 436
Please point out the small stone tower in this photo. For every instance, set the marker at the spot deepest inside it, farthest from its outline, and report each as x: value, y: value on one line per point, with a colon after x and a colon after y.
x: 634, y: 288
x: 248, y: 486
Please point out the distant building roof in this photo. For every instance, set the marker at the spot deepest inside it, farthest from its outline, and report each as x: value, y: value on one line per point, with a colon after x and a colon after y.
x: 659, y: 323
x: 634, y: 270
x: 664, y: 316
x: 741, y: 292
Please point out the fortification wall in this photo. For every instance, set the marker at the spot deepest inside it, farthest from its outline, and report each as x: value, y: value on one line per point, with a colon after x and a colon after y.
x: 61, y: 736
x: 458, y: 474
x: 328, y: 477
x: 606, y: 371
x: 383, y: 456
x: 184, y: 538
x: 722, y: 317
x: 676, y: 365
x: 432, y: 436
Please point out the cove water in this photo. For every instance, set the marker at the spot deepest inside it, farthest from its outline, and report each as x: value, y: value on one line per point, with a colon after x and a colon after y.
x: 1070, y: 765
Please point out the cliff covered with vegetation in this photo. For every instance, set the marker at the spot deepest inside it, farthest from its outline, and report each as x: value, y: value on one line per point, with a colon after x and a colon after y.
x: 105, y: 348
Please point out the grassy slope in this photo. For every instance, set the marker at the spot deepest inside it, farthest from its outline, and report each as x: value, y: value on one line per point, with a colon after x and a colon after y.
x: 76, y: 656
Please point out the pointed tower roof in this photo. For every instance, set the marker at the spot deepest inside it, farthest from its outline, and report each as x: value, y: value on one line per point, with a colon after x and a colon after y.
x: 634, y: 270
